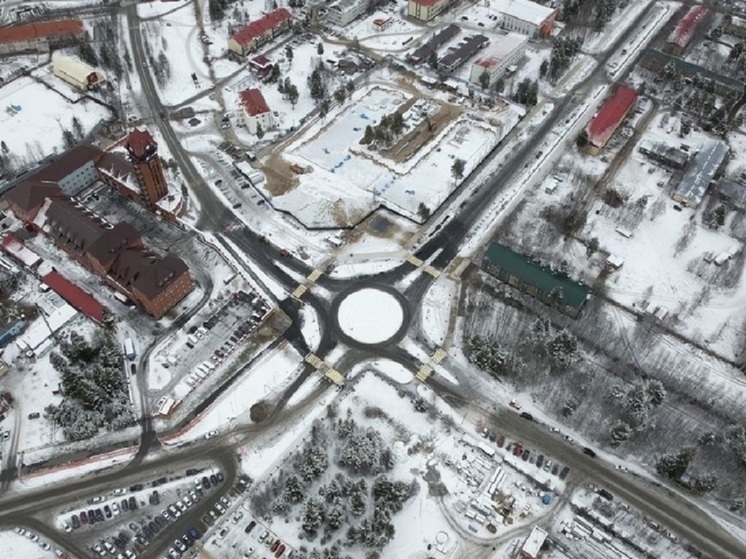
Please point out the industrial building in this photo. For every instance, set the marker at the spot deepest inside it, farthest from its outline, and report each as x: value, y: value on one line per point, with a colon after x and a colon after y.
x: 343, y: 12
x: 423, y: 52
x: 77, y: 73
x: 537, y: 281
x: 463, y: 52
x: 696, y: 181
x: 508, y: 51
x: 609, y: 117
x: 665, y: 155
x: 258, y: 32
x: 41, y: 36
x: 532, y: 546
x: 525, y: 17
x: 254, y: 111
x: 426, y: 10
x: 682, y: 34
x: 732, y: 193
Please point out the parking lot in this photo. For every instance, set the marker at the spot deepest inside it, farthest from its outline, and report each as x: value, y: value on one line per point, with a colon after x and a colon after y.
x: 130, y: 518
x: 211, y: 338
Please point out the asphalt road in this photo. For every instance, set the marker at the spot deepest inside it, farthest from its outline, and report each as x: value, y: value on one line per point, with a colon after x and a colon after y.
x: 665, y: 507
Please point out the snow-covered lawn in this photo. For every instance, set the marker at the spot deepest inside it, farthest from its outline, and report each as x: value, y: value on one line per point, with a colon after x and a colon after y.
x: 395, y: 38
x: 15, y: 545
x: 370, y: 316
x: 33, y: 118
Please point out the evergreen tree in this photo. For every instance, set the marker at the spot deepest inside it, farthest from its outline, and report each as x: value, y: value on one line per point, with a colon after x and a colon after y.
x: 274, y: 74
x: 457, y: 169
x: 289, y: 53
x: 259, y: 131
x: 484, y: 80
x: 4, y: 147
x: 320, y: 49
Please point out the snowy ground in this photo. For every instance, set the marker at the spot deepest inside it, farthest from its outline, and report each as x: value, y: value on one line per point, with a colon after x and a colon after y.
x: 370, y: 316
x: 33, y: 118
x: 15, y: 545
x: 334, y: 153
x: 396, y: 38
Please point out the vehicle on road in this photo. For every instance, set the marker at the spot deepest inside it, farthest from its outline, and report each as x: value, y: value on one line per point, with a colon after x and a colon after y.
x: 589, y: 452
x: 526, y: 415
x: 211, y: 434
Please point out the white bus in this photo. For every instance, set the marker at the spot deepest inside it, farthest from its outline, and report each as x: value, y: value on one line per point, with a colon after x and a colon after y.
x: 129, y: 349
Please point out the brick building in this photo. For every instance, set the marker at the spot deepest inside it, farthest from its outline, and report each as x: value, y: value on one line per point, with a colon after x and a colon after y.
x: 258, y: 32
x: 40, y: 36
x: 142, y: 151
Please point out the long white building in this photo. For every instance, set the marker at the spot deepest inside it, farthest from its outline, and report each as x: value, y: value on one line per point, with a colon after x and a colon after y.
x: 344, y: 12
x: 508, y: 50
x: 77, y: 73
x: 525, y: 17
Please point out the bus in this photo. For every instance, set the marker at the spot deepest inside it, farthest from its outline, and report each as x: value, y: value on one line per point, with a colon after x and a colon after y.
x: 129, y: 349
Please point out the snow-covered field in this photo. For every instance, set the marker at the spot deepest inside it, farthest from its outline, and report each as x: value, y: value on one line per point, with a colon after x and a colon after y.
x: 349, y: 180
x: 15, y: 545
x: 395, y: 38
x: 33, y: 118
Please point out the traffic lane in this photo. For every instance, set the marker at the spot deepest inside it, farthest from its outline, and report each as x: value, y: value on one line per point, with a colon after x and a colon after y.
x: 680, y: 516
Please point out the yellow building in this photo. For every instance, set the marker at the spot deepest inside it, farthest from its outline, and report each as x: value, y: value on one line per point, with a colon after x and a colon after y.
x: 425, y: 10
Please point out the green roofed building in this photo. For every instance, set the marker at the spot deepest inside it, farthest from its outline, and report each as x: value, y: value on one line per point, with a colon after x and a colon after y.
x: 538, y: 281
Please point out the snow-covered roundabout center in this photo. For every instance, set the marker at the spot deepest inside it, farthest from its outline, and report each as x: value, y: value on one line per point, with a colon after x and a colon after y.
x: 370, y: 315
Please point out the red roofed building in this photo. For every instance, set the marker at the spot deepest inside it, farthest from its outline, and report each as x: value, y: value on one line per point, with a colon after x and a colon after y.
x: 259, y: 32
x: 255, y: 112
x: 608, y: 119
x: 76, y: 297
x: 684, y: 31
x: 142, y: 150
x: 425, y: 10
x: 40, y: 36
x: 20, y: 252
x: 261, y: 65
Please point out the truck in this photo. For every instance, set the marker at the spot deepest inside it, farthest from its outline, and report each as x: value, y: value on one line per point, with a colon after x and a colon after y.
x: 129, y: 349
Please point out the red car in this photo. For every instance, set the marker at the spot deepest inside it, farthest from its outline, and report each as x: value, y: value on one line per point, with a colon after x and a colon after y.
x: 83, y: 518
x: 274, y: 546
x: 517, y: 449
x: 280, y: 550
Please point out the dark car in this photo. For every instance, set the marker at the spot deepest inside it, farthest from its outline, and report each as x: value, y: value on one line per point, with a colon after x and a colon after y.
x: 99, y: 515
x: 214, y: 479
x: 154, y: 527
x: 159, y: 520
x: 208, y: 520
x: 274, y: 546
x: 91, y: 516
x: 280, y: 550
x: 107, y: 511
x: 83, y: 517
x: 133, y: 369
x: 526, y: 415
x: 606, y: 495
x: 192, y: 472
x: 517, y: 449
x: 501, y: 441
x: 205, y: 483
x: 589, y: 452
x: 147, y: 530
x: 136, y: 487
x: 250, y: 527
x: 564, y: 472
x: 194, y: 533
x: 539, y: 460
x: 124, y: 505
x: 74, y: 521
x: 525, y: 455
x: 154, y: 498
x: 133, y: 503
x: 555, y: 469
x: 124, y: 536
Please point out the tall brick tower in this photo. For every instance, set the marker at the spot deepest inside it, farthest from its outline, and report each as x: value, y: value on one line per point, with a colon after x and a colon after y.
x: 143, y: 153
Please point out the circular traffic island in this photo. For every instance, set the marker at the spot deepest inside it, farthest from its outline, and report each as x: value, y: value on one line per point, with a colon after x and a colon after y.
x: 371, y: 315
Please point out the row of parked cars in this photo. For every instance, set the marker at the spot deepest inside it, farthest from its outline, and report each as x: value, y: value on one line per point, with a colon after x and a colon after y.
x: 42, y: 543
x: 143, y: 532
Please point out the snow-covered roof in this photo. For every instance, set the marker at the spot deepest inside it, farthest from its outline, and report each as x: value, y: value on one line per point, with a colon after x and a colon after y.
x: 257, y: 28
x: 524, y: 10
x: 504, y: 47
x: 534, y: 542
x: 696, y: 181
x: 16, y: 248
x: 75, y: 67
x: 684, y: 30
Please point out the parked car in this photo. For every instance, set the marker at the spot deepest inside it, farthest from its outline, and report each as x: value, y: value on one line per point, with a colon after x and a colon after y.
x: 84, y: 517
x: 194, y: 533
x: 280, y: 550
x: 159, y: 520
x: 250, y: 526
x: 205, y: 482
x: 564, y: 472
x: 74, y: 521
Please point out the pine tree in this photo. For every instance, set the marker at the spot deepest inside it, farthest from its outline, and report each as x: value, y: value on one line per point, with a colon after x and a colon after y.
x: 4, y: 147
x: 484, y: 80
x: 320, y: 49
x: 457, y: 169
x: 259, y: 131
x: 289, y: 53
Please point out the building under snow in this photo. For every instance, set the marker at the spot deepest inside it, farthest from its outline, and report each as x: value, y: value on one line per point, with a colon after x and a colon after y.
x: 532, y: 546
x: 608, y: 119
x: 77, y: 73
x: 343, y: 12
x: 525, y: 17
x: 696, y: 181
x: 682, y: 34
x: 506, y: 52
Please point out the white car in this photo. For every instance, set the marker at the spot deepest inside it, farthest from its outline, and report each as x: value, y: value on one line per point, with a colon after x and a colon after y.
x: 211, y: 434
x: 119, y: 491
x: 45, y: 546
x: 67, y: 527
x: 33, y: 537
x: 115, y: 509
x: 622, y: 468
x: 20, y: 531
